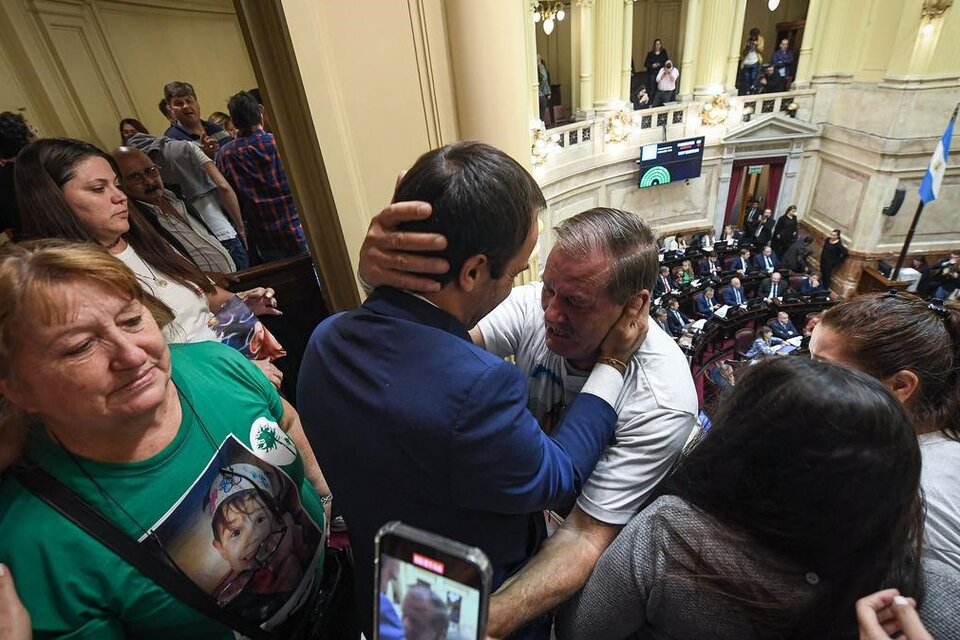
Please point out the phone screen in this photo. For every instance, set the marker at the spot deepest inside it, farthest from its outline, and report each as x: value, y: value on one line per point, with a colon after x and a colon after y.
x: 426, y: 593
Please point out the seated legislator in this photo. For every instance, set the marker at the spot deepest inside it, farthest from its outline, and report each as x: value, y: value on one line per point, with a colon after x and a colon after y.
x: 742, y: 263
x: 734, y: 295
x: 731, y: 234
x: 601, y: 258
x: 782, y: 327
x: 664, y: 283
x: 764, y: 343
x: 760, y: 532
x: 414, y: 422
x: 186, y: 448
x: 710, y: 267
x: 660, y: 318
x: 812, y: 285
x: 677, y: 320
x: 773, y: 287
x: 707, y: 304
x: 766, y: 260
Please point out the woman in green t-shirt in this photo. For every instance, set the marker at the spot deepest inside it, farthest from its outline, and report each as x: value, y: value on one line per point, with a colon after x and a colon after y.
x: 186, y: 449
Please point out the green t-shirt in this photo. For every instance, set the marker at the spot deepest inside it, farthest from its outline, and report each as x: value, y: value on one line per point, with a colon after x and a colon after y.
x: 233, y: 466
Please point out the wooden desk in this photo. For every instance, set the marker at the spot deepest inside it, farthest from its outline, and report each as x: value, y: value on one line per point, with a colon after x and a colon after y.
x: 872, y: 280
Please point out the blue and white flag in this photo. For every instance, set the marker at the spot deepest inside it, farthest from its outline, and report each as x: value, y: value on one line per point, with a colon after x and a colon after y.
x: 933, y: 178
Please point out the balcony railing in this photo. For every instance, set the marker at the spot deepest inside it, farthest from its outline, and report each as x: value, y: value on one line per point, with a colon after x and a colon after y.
x: 609, y: 136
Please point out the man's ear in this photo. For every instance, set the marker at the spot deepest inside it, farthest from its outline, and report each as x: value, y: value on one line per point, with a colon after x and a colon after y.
x: 903, y: 384
x: 474, y: 268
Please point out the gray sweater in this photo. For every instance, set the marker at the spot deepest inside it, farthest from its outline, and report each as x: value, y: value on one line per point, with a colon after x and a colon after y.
x: 645, y: 584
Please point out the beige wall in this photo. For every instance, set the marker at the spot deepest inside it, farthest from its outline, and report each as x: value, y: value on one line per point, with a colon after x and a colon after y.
x: 78, y: 66
x: 378, y: 81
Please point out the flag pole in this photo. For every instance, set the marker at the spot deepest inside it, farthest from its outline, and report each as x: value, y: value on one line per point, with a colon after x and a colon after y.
x: 906, y: 243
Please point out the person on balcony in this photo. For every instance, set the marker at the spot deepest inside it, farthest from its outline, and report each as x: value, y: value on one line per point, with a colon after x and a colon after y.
x: 666, y: 84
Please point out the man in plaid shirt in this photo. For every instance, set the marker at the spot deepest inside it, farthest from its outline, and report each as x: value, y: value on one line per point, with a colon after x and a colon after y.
x: 251, y: 163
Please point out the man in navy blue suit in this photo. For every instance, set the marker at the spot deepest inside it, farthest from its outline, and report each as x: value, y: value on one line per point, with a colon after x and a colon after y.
x: 741, y: 264
x: 710, y: 267
x: 783, y: 328
x: 766, y: 260
x: 734, y: 294
x: 676, y: 319
x: 411, y: 421
x: 707, y: 303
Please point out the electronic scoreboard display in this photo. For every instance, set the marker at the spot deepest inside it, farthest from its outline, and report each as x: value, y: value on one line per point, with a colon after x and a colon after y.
x: 664, y: 162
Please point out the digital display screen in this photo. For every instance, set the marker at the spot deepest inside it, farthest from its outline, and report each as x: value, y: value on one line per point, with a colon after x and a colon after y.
x: 666, y: 162
x: 418, y: 601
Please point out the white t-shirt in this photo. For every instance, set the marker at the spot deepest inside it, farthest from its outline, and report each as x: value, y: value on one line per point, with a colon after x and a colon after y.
x: 940, y: 479
x: 656, y: 409
x: 192, y: 315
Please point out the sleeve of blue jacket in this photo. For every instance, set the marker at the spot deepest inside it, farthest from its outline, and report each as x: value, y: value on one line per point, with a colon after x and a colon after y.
x: 502, y: 461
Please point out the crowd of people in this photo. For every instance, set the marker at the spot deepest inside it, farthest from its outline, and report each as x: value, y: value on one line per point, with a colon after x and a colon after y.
x: 821, y: 502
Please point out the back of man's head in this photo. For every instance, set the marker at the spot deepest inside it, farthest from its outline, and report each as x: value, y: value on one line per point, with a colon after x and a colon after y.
x: 483, y: 201
x: 622, y: 236
x: 244, y: 110
x: 178, y: 88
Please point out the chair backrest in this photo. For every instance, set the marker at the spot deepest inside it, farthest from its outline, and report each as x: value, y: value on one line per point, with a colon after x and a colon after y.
x: 796, y: 280
x: 728, y: 263
x: 744, y: 339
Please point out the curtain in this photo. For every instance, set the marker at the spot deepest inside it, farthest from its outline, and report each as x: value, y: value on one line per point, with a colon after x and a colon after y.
x: 736, y: 177
x: 773, y: 187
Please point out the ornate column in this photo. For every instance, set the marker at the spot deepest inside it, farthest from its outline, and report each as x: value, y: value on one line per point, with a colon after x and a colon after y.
x: 691, y: 48
x: 714, y: 45
x: 837, y: 53
x: 608, y: 46
x: 625, y: 74
x: 736, y: 40
x: 811, y: 37
x: 585, y: 106
x: 492, y: 89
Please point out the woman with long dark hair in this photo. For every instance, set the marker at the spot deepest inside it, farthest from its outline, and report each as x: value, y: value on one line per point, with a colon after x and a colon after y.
x: 130, y: 126
x: 913, y: 347
x: 802, y: 498
x: 69, y: 189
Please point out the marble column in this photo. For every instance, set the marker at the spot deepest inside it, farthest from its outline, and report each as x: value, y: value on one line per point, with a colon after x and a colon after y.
x: 585, y: 106
x: 608, y: 48
x: 717, y: 20
x: 492, y: 89
x: 625, y: 74
x: 811, y: 37
x: 691, y: 48
x: 837, y: 52
x: 736, y: 41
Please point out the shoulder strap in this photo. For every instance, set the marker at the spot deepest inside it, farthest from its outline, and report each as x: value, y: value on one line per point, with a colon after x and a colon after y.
x: 71, y: 506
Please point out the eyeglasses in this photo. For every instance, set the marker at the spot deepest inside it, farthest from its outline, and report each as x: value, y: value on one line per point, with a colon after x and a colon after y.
x: 137, y: 178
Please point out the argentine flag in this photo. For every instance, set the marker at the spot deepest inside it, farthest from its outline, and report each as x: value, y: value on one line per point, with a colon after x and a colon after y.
x: 933, y: 178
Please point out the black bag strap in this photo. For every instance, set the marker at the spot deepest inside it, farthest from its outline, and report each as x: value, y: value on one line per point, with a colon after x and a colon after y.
x: 71, y: 506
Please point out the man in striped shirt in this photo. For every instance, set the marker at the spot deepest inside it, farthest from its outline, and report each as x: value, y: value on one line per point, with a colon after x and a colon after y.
x: 252, y: 165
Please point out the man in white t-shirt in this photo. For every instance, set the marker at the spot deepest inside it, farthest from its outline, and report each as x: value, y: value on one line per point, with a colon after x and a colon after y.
x: 601, y: 259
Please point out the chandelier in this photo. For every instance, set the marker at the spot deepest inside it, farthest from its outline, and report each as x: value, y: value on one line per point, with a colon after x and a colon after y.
x: 548, y: 14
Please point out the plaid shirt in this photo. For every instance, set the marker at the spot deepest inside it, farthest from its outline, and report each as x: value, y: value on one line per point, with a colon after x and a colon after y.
x: 252, y: 166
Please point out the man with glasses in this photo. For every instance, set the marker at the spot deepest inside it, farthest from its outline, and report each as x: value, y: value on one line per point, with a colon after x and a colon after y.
x: 195, y: 178
x: 140, y: 179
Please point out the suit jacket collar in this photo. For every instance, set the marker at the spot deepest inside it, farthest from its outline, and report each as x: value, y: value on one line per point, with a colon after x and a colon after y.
x: 395, y: 303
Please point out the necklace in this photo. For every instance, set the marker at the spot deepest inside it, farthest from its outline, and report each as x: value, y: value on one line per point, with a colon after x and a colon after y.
x: 113, y: 244
x: 160, y: 282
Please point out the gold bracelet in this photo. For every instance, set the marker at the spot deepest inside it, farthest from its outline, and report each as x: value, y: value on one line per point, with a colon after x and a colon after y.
x: 613, y: 362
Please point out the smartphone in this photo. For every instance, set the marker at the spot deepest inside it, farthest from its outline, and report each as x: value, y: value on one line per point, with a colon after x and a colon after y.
x: 428, y: 586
